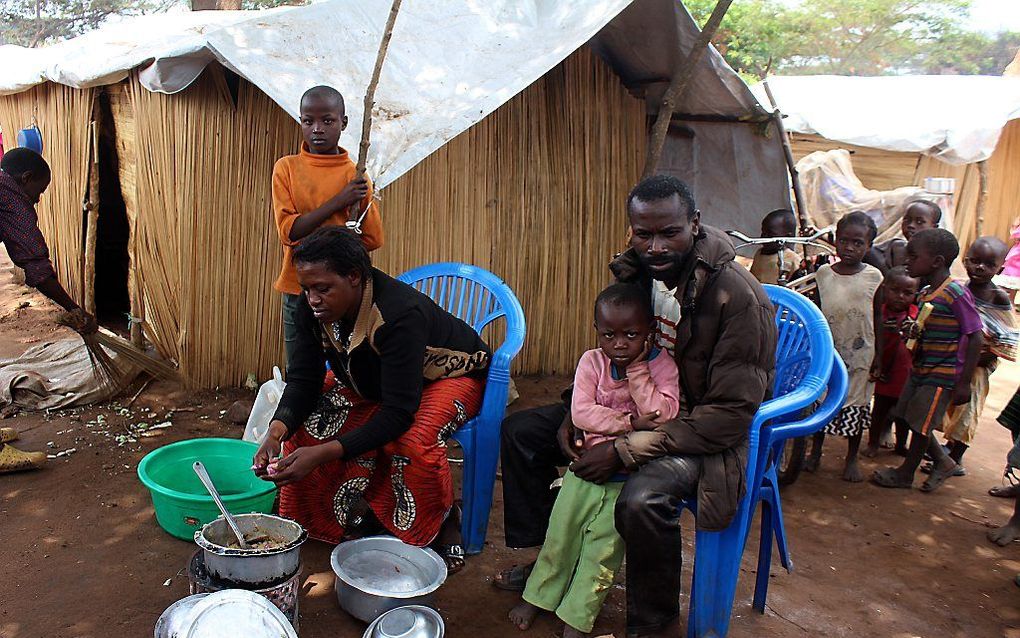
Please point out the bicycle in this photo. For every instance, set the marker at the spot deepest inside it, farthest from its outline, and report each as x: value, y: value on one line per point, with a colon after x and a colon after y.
x: 794, y: 452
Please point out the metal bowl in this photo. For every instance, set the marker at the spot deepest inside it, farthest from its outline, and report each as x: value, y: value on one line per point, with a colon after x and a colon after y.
x: 171, y: 623
x: 380, y: 573
x: 236, y: 612
x: 252, y: 567
x: 412, y: 621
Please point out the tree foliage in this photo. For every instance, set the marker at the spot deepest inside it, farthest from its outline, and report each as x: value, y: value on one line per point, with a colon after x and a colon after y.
x: 855, y: 37
x: 34, y: 23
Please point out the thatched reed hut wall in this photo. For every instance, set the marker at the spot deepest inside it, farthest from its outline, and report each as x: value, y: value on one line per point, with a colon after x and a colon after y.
x: 535, y: 193
x: 64, y: 114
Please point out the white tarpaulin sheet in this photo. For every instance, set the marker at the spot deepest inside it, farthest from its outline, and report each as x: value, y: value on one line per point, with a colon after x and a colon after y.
x: 450, y: 62
x: 956, y: 118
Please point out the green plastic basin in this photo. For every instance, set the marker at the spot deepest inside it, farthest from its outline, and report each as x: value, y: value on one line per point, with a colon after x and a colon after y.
x: 182, y: 505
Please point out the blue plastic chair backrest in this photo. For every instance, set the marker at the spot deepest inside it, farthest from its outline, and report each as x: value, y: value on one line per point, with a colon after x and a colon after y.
x: 473, y: 295
x: 803, y: 345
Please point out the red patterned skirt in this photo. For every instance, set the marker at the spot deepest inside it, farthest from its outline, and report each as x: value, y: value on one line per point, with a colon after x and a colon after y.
x: 407, y: 483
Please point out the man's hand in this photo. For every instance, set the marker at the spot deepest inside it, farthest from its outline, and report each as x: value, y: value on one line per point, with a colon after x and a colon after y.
x: 598, y: 464
x: 299, y: 463
x: 567, y: 437
x: 352, y: 193
x: 645, y: 421
x: 961, y: 395
x: 270, y: 449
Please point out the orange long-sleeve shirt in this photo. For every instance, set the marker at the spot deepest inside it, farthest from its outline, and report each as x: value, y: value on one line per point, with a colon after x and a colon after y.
x: 302, y: 183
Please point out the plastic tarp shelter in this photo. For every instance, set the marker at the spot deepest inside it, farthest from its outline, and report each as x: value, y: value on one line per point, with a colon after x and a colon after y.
x: 450, y: 63
x: 955, y: 118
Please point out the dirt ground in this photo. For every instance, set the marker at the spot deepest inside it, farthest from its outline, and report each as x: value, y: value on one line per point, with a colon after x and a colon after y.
x: 81, y: 555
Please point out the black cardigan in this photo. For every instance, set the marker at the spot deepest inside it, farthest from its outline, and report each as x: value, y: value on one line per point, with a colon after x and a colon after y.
x: 400, y: 340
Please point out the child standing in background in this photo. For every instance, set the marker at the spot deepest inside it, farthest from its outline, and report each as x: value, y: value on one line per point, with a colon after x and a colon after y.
x: 316, y: 188
x: 899, y: 291
x: 624, y: 385
x: 948, y: 334
x: 918, y: 215
x: 1009, y: 278
x: 847, y: 296
x: 984, y: 260
x: 765, y: 266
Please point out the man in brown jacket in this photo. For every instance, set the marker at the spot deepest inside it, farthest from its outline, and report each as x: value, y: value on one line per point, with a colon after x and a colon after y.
x: 717, y: 321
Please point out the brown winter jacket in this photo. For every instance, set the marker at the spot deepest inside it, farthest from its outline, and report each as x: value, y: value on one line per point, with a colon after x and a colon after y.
x: 725, y: 350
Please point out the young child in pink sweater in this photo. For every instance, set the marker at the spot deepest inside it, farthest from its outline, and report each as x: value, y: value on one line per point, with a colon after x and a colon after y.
x: 625, y: 384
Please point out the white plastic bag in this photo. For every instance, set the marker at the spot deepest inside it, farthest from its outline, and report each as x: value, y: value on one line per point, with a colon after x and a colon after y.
x: 265, y: 407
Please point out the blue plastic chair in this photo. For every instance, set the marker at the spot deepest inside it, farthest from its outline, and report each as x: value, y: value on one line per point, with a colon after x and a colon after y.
x: 773, y: 438
x: 478, y: 297
x: 804, y: 364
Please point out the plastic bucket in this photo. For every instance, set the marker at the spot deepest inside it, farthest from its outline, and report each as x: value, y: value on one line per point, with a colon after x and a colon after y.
x: 182, y: 505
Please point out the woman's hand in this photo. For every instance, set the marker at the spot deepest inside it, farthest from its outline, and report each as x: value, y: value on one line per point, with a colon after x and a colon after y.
x: 270, y: 448
x: 299, y: 463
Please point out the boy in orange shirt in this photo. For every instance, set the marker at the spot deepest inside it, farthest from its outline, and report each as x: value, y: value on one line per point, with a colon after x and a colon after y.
x: 316, y: 188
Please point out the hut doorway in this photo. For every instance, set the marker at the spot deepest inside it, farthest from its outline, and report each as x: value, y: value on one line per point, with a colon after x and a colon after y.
x: 113, y: 305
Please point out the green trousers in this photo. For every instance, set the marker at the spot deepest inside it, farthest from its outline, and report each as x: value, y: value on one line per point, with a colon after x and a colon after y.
x: 581, y: 554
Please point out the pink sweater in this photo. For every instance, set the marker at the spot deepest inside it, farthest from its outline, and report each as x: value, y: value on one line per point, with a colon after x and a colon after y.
x: 601, y: 406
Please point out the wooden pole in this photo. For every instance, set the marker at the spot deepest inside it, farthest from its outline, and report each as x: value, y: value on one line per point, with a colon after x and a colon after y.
x: 791, y: 165
x: 979, y: 224
x: 678, y: 86
x: 366, y: 120
x: 92, y: 209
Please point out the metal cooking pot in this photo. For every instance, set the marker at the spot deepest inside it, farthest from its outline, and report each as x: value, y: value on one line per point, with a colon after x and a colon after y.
x: 380, y: 573
x: 252, y: 567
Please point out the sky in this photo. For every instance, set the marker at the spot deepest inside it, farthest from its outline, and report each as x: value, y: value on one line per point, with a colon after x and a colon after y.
x: 995, y: 15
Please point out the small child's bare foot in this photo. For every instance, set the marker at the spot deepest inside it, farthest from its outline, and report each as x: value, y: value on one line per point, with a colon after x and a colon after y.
x: 523, y: 615
x: 852, y: 472
x: 570, y: 632
x: 870, y: 452
x: 1006, y: 534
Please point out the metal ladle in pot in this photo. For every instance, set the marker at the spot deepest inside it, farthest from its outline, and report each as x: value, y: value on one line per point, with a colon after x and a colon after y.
x: 207, y: 482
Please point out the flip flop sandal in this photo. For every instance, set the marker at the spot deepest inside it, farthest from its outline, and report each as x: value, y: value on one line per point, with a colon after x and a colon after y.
x: 1003, y: 491
x: 960, y: 470
x: 887, y: 478
x: 936, y: 479
x: 513, y: 579
x: 453, y: 556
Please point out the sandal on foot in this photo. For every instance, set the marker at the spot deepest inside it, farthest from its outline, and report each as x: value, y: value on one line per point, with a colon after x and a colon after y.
x: 453, y: 556
x: 960, y: 470
x: 8, y: 434
x: 889, y: 478
x: 937, y: 478
x: 1004, y: 491
x: 513, y: 579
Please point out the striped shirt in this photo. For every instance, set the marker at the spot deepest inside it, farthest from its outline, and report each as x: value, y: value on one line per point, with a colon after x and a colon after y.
x: 942, y: 347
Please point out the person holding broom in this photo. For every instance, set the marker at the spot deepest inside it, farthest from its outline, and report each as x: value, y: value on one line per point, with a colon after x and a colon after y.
x: 24, y: 177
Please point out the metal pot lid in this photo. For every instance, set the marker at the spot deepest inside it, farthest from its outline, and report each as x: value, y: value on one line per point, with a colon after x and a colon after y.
x: 411, y: 621
x: 237, y: 612
x: 172, y: 622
